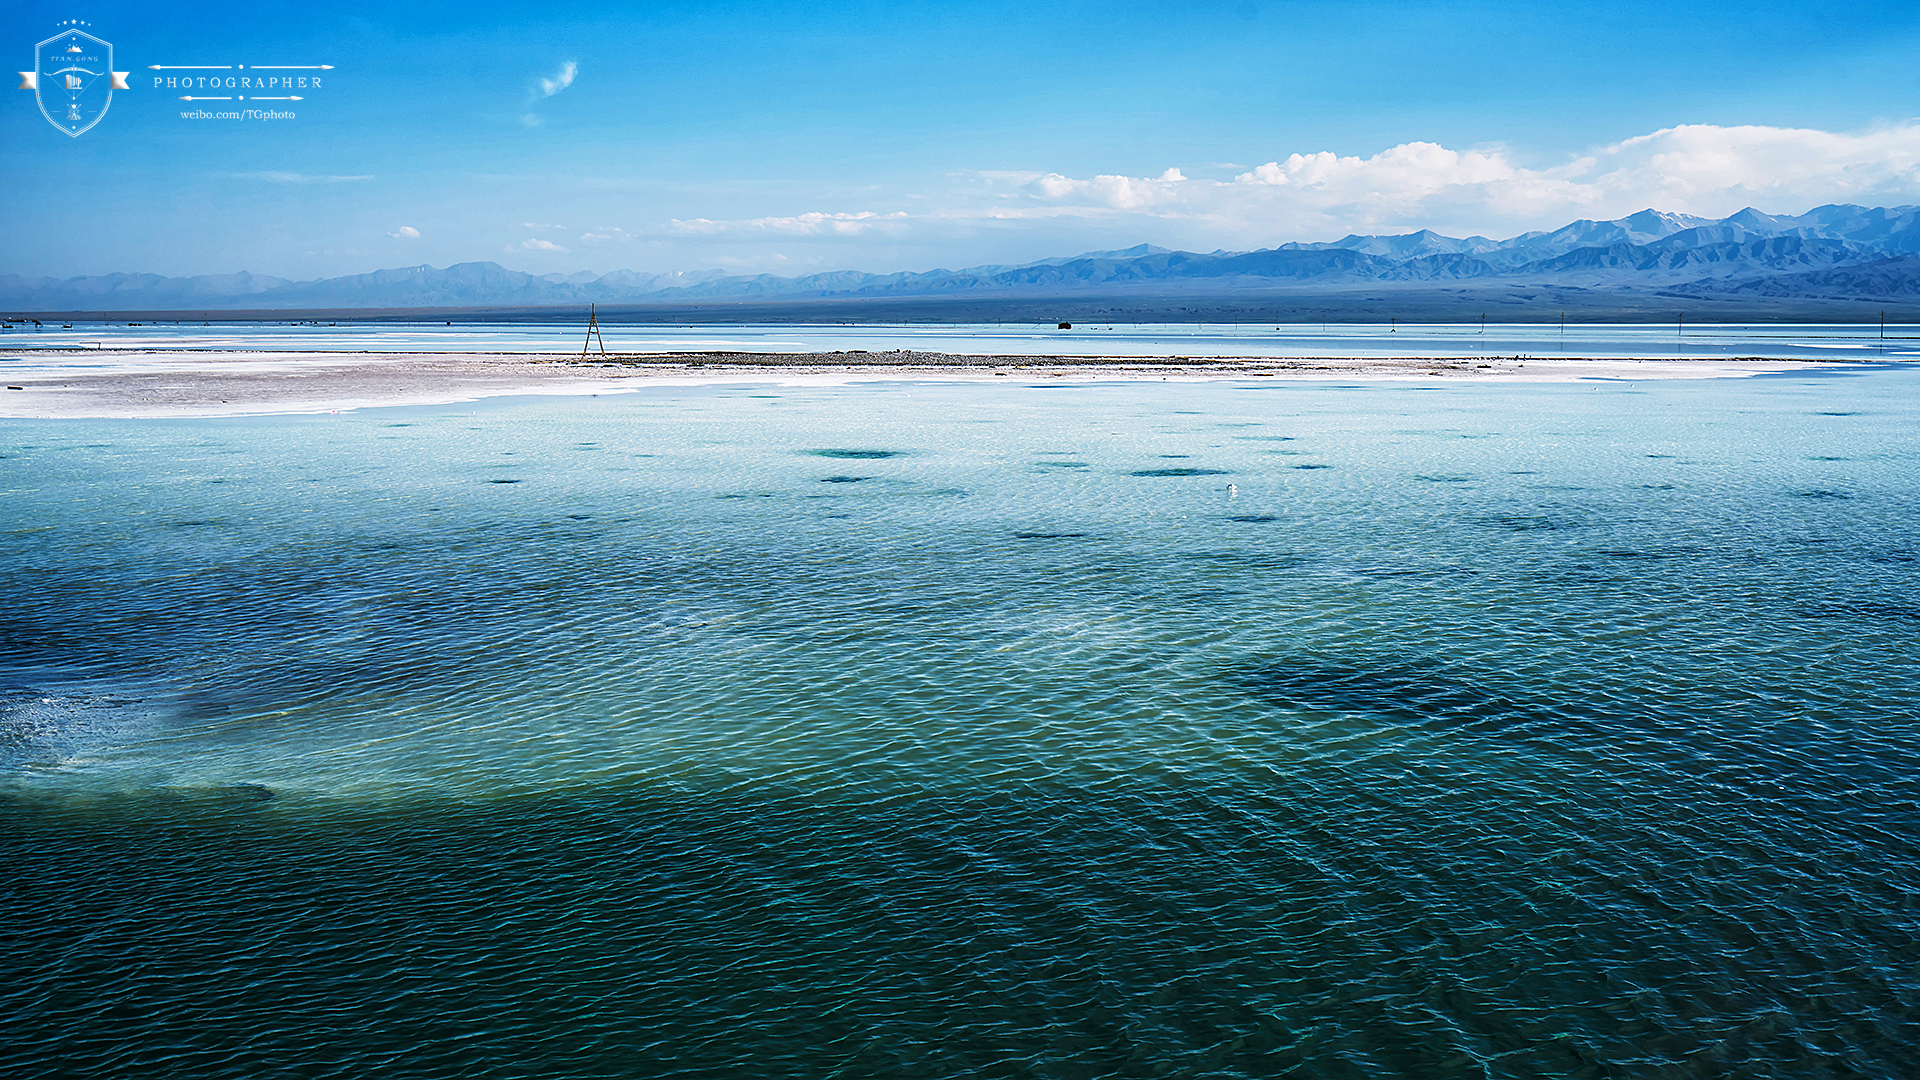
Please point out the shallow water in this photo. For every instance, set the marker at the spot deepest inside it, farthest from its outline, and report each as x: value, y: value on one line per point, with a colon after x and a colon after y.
x: 934, y: 730
x: 1706, y: 341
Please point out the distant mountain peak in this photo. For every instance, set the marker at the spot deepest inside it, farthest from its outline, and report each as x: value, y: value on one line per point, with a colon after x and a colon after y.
x: 1134, y: 252
x: 1649, y: 248
x: 1751, y: 218
x: 1655, y: 218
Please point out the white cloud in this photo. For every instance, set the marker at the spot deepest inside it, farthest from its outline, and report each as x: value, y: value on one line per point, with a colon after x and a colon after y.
x: 561, y: 79
x: 546, y: 88
x: 808, y: 224
x: 1412, y: 170
x: 405, y: 232
x: 1699, y: 161
x: 1117, y: 192
x: 1493, y: 190
x: 1697, y: 169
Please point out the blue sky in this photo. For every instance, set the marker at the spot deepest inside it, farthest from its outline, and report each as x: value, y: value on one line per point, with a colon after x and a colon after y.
x: 791, y: 138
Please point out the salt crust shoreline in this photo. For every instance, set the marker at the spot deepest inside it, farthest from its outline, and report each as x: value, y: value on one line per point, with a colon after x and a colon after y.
x: 93, y: 384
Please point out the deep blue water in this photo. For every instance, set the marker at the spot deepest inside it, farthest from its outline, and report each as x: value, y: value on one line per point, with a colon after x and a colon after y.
x: 1231, y: 730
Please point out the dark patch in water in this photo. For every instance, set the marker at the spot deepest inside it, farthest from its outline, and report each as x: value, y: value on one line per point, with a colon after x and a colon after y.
x: 1866, y: 609
x: 1250, y: 560
x: 1523, y: 523
x: 218, y: 794
x: 503, y: 481
x: 1176, y: 455
x: 1048, y: 536
x: 1819, y: 493
x: 1178, y: 472
x: 1253, y: 519
x: 1311, y: 466
x: 1442, y: 479
x: 1836, y: 414
x: 1416, y: 691
x: 861, y: 455
x: 1062, y: 464
x: 1824, y: 457
x: 844, y: 479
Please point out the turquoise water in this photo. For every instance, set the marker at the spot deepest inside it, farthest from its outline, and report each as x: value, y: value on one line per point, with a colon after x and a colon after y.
x: 1113, y: 730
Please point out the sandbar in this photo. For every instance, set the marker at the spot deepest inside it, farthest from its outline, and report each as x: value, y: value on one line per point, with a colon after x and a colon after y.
x: 77, y: 384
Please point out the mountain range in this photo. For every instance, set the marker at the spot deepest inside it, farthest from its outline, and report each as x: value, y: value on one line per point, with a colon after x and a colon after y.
x: 1836, y: 251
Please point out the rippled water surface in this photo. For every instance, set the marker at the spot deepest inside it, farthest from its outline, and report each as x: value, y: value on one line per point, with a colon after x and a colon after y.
x: 1203, y: 729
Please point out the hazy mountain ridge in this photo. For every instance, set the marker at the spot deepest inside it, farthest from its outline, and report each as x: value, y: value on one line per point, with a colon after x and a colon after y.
x: 1837, y: 250
x: 1896, y: 278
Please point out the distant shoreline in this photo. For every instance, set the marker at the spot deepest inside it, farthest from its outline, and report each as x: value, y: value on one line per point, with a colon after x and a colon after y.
x: 1381, y: 303
x: 207, y: 383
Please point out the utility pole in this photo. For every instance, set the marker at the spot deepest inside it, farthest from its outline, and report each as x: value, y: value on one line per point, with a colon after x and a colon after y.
x: 593, y: 331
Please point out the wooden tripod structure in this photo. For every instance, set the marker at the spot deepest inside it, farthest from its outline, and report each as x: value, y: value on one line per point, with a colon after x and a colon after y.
x: 593, y: 332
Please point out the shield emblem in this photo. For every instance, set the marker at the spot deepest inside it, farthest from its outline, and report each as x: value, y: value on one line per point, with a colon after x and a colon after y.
x: 74, y: 80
